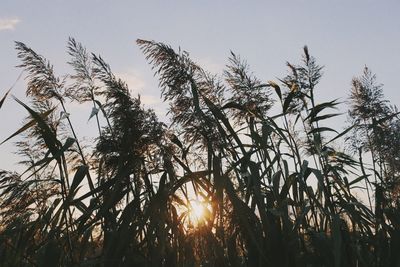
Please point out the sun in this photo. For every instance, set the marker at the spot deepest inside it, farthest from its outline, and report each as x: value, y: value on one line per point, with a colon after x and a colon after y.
x: 197, y: 212
x: 194, y: 212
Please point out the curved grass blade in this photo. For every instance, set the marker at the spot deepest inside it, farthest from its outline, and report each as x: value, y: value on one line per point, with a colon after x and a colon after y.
x: 4, y: 98
x: 28, y: 125
x: 47, y: 134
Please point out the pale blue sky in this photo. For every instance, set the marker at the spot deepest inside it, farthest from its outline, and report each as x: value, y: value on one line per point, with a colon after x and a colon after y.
x: 343, y: 36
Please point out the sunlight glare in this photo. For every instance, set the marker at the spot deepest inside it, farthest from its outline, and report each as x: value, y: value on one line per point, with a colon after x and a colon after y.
x: 197, y: 210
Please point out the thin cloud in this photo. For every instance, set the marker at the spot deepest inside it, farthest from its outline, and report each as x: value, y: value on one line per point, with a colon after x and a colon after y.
x: 210, y: 65
x: 150, y: 100
x: 134, y: 80
x: 138, y: 86
x: 8, y: 23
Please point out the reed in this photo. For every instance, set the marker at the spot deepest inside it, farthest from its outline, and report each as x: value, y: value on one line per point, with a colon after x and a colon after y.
x: 226, y: 183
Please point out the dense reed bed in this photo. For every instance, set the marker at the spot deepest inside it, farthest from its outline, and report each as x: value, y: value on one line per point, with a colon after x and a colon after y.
x: 276, y: 185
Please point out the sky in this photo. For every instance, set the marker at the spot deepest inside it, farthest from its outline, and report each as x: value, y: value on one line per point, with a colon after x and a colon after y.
x: 343, y: 35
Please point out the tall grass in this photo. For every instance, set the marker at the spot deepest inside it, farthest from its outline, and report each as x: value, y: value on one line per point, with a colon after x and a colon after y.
x: 277, y: 191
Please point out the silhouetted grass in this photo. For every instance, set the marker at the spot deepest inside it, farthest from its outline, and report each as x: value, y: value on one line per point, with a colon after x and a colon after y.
x: 276, y: 190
